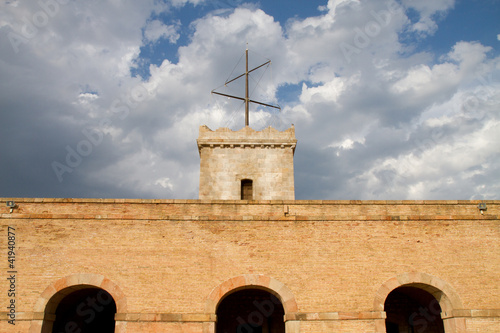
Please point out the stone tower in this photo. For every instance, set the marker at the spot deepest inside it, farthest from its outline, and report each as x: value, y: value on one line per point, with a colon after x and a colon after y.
x: 246, y: 164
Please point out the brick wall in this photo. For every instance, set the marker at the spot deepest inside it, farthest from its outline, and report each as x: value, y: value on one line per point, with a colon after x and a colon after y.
x: 166, y: 257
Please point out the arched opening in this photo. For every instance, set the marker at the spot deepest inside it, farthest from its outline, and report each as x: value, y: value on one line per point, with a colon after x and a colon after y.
x: 250, y: 311
x: 412, y: 310
x: 83, y: 309
x: 246, y: 189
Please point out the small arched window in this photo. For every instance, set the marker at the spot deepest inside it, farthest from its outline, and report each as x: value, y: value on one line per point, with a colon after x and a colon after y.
x: 246, y: 189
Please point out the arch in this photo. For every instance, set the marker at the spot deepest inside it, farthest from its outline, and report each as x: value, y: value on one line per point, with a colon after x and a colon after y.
x: 269, y: 284
x: 250, y: 309
x: 446, y: 296
x: 49, y: 299
x: 89, y: 309
x: 411, y: 309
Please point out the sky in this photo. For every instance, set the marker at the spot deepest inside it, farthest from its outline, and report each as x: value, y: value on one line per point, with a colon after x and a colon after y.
x: 391, y: 100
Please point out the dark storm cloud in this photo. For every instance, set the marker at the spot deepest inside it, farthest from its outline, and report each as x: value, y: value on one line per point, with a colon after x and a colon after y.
x: 379, y: 122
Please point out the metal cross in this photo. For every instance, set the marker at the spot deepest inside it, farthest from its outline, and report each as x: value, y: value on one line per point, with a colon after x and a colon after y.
x: 247, y: 97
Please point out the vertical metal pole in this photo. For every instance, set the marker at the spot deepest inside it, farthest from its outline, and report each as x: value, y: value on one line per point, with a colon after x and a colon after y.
x: 247, y: 98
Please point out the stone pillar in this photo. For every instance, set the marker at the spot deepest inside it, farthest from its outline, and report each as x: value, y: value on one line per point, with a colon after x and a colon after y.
x: 292, y: 326
x: 454, y: 325
x: 209, y: 327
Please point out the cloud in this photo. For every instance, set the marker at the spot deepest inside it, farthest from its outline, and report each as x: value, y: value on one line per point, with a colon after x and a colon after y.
x: 156, y: 30
x: 452, y: 152
x: 375, y: 120
x: 181, y: 3
x: 368, y: 136
x: 429, y: 12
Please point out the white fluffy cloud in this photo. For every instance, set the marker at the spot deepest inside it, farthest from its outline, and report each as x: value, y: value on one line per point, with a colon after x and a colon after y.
x: 374, y: 119
x: 156, y: 30
x: 427, y: 11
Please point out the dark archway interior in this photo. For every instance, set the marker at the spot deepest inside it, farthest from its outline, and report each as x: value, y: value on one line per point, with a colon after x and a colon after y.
x: 250, y: 311
x: 412, y: 310
x: 89, y: 310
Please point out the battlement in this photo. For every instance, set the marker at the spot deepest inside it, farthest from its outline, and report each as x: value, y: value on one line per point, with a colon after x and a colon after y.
x: 246, y: 138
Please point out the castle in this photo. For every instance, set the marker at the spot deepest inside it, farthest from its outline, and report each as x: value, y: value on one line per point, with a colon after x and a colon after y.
x: 248, y: 257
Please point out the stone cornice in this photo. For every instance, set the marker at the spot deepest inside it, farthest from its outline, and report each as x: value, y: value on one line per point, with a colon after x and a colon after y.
x: 295, y: 316
x: 246, y: 138
x: 246, y: 144
x: 245, y: 202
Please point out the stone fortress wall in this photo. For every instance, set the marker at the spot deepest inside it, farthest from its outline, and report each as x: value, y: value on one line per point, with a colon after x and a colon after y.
x: 332, y: 264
